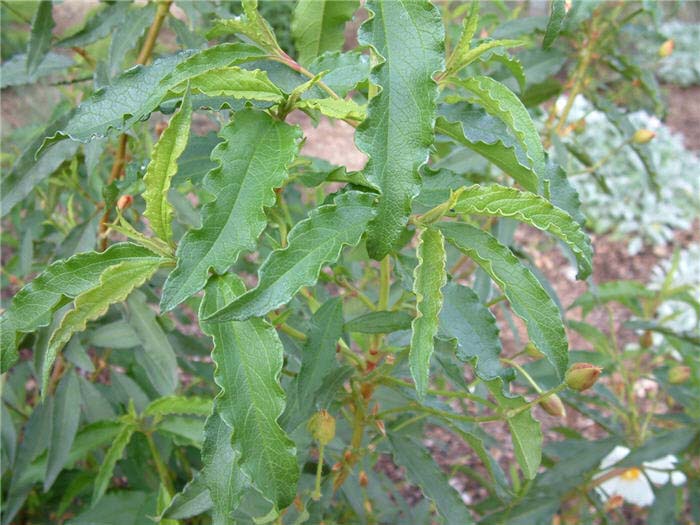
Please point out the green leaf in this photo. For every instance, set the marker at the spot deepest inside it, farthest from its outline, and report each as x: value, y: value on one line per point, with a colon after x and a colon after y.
x: 318, y: 362
x: 527, y: 297
x: 162, y: 169
x: 488, y: 137
x: 98, y: 26
x: 502, y: 103
x: 234, y: 82
x: 126, y: 507
x: 33, y: 305
x: 464, y: 318
x: 381, y: 322
x: 502, y: 201
x: 114, y: 454
x: 428, y: 279
x: 470, y: 23
x: 115, y: 284
x: 511, y: 63
x: 317, y: 26
x: 248, y: 357
x: 344, y: 70
x: 627, y: 293
x: 398, y: 131
x: 251, y: 25
x: 313, y: 243
x: 562, y: 194
x: 13, y: 72
x: 65, y: 417
x: 180, y: 405
x: 157, y: 357
x: 221, y: 473
x: 525, y: 430
x: 423, y: 470
x: 194, y: 498
x: 127, y: 34
x: 474, y: 54
x: 336, y: 108
x: 556, y: 21
x: 253, y: 160
x: 40, y: 36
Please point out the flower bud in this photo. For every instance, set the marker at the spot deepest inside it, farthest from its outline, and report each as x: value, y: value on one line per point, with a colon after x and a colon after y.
x: 363, y: 479
x: 322, y: 427
x: 124, y: 202
x: 553, y: 406
x: 582, y: 376
x: 666, y: 48
x: 678, y: 374
x: 642, y: 136
x: 647, y: 339
x: 533, y: 351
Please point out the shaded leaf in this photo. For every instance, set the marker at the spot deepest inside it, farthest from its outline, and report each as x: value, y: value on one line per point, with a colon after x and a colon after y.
x: 65, y: 416
x: 524, y: 292
x: 465, y: 318
x: 40, y: 36
x: 114, y: 454
x: 555, y: 23
x: 381, y: 322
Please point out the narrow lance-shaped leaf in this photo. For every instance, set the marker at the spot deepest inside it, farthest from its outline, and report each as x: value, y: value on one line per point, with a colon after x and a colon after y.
x: 465, y: 318
x: 65, y: 417
x: 248, y: 357
x: 488, y: 137
x: 253, y: 161
x: 220, y: 471
x: 156, y: 356
x: 423, y: 470
x: 40, y: 36
x: 502, y: 201
x: 33, y: 305
x: 469, y: 25
x: 408, y: 38
x: 525, y: 430
x: 428, y: 279
x: 335, y: 108
x: 115, y: 284
x: 114, y: 454
x: 233, y: 82
x: 501, y: 102
x: 313, y: 243
x: 556, y: 21
x: 127, y: 34
x: 522, y: 289
x: 181, y: 405
x: 317, y: 26
x: 162, y: 169
x: 318, y: 362
x: 251, y: 25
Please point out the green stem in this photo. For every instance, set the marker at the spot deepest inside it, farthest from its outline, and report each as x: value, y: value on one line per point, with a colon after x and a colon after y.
x: 393, y: 381
x: 384, y: 283
x: 440, y: 413
x: 160, y: 466
x: 319, y: 471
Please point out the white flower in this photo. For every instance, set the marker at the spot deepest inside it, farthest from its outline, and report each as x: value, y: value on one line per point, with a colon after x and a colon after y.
x: 632, y: 484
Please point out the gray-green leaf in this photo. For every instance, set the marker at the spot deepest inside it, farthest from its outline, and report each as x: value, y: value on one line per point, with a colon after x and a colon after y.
x: 313, y: 242
x: 253, y: 162
x: 408, y: 38
x: 317, y: 26
x: 524, y: 292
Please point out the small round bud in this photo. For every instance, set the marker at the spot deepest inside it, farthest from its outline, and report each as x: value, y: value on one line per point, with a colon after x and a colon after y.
x: 363, y: 479
x: 679, y: 374
x: 642, y: 136
x: 322, y: 427
x: 553, y: 406
x: 533, y: 351
x: 666, y: 48
x: 582, y: 376
x: 647, y: 339
x: 124, y: 202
